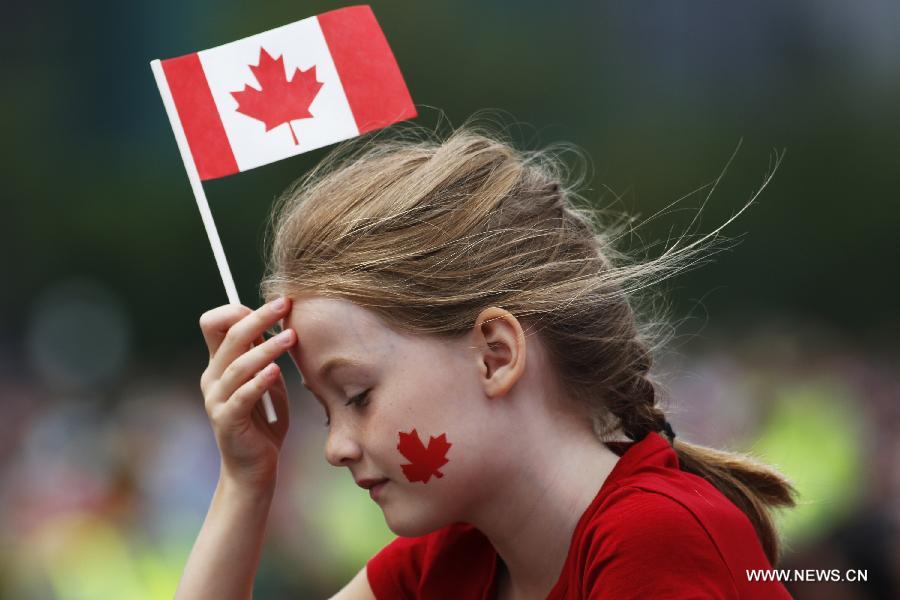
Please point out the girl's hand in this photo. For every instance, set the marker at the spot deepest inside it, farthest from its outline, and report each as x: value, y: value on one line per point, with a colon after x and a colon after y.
x: 241, y: 367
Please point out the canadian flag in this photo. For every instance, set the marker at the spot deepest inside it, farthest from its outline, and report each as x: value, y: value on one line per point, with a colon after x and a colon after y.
x: 287, y: 90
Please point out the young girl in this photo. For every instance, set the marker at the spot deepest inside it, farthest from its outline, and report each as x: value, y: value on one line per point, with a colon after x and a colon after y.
x: 470, y: 334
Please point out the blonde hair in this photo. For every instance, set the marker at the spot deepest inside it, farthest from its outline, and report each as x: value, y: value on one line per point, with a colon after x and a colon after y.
x: 427, y: 232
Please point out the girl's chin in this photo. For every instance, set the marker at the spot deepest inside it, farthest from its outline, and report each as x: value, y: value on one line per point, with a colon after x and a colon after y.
x: 407, y: 522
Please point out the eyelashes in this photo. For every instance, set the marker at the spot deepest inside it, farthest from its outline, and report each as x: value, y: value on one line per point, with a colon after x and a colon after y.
x: 360, y: 400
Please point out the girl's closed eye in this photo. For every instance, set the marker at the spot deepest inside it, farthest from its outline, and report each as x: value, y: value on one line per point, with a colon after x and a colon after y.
x: 360, y: 400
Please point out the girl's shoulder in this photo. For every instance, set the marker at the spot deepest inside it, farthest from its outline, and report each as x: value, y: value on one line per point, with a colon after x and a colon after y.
x: 649, y: 494
x: 679, y: 526
x: 651, y: 515
x: 673, y: 505
x: 654, y: 515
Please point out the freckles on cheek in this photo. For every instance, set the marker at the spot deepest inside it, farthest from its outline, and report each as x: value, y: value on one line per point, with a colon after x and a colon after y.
x: 424, y: 461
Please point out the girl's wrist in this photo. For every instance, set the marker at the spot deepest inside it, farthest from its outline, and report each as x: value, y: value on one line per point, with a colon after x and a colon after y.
x: 255, y: 490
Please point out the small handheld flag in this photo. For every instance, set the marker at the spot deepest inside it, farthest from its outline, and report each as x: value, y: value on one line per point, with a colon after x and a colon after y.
x: 276, y: 94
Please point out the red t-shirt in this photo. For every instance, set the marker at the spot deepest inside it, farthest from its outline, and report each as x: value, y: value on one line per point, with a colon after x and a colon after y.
x: 653, y: 530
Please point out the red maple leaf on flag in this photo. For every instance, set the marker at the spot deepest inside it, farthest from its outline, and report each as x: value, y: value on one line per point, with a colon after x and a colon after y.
x: 425, y: 461
x: 280, y: 100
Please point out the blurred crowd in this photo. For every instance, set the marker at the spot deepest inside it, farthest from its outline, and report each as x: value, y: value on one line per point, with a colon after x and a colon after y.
x: 106, y: 479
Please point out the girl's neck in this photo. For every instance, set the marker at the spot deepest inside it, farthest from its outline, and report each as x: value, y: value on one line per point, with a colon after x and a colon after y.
x: 531, y: 517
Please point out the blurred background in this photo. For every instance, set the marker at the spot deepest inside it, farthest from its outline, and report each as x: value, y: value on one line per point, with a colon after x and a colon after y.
x: 785, y: 345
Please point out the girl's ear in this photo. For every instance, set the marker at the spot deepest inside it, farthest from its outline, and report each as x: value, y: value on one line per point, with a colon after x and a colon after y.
x: 501, y: 350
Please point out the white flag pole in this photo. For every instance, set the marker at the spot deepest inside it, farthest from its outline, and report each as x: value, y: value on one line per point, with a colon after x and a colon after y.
x: 202, y: 204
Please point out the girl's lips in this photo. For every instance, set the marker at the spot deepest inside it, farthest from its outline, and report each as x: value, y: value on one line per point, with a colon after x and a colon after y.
x: 369, y: 483
x: 375, y: 490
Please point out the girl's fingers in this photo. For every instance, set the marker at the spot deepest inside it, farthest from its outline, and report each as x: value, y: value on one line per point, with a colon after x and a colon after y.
x: 240, y: 336
x: 245, y: 398
x: 215, y: 324
x: 250, y: 363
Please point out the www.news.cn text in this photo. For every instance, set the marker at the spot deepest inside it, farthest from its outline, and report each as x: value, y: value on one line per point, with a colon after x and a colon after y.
x: 788, y: 575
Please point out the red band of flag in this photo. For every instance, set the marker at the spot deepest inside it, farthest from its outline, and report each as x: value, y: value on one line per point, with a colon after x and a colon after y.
x: 199, y: 117
x: 372, y: 81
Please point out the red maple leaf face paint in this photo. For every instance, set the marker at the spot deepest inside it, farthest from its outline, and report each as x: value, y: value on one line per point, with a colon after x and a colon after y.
x: 425, y: 462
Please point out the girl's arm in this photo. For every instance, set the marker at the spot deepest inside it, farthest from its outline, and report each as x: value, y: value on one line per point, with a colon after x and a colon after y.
x: 226, y: 554
x: 357, y: 589
x: 224, y: 559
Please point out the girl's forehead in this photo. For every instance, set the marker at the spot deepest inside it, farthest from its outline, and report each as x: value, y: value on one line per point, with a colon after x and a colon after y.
x: 332, y: 326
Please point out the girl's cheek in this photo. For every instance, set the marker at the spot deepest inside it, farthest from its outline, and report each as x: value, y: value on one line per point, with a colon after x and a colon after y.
x: 424, y: 461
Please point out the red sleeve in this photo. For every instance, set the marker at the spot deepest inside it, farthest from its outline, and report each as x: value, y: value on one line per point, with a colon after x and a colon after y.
x: 647, y: 545
x: 395, y: 571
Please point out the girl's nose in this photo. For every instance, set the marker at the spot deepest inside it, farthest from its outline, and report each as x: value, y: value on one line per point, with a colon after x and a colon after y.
x: 341, y: 448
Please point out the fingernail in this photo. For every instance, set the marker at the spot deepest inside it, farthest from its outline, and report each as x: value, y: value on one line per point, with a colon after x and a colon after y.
x: 278, y: 304
x: 284, y: 338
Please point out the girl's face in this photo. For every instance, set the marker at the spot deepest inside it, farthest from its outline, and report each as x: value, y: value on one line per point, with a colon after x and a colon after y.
x: 395, y: 384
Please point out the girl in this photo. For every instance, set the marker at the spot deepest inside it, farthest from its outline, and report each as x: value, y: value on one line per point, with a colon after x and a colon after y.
x: 470, y: 334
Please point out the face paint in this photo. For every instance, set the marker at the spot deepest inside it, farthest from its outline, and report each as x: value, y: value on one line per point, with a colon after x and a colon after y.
x: 425, y: 461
